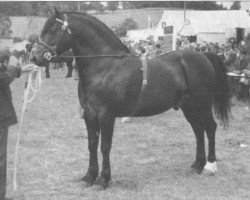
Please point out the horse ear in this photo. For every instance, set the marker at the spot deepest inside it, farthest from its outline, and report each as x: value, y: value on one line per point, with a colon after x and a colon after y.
x: 56, y: 12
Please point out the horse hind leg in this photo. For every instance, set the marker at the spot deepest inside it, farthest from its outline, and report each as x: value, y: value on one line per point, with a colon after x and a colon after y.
x: 196, y: 120
x: 210, y: 128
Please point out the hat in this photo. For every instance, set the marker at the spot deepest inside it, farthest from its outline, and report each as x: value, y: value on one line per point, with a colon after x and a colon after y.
x: 227, y: 45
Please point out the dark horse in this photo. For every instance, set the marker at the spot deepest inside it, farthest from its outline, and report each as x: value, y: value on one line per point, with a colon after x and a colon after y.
x: 68, y: 59
x: 110, y: 85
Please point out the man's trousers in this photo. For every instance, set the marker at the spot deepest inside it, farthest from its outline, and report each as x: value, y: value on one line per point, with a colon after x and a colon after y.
x: 3, y: 161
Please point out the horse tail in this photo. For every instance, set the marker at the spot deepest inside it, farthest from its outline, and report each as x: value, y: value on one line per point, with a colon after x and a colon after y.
x: 221, y: 97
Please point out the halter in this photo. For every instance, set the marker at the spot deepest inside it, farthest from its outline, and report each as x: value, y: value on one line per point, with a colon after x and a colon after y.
x: 53, y: 49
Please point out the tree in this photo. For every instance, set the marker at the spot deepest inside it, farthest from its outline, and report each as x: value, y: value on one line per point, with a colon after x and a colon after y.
x: 197, y: 5
x: 125, y: 4
x: 121, y: 29
x: 235, y: 6
x: 5, y: 25
x: 96, y: 5
x: 112, y: 5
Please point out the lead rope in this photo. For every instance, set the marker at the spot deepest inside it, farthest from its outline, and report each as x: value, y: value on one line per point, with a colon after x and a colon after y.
x: 36, y: 73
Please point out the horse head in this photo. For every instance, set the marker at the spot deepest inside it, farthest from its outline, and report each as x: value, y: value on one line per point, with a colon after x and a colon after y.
x: 55, y: 39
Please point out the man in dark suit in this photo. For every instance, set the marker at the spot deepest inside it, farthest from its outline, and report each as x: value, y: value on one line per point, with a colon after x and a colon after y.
x: 230, y: 57
x: 7, y: 113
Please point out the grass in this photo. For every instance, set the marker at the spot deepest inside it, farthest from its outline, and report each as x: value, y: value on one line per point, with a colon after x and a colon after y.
x: 150, y: 157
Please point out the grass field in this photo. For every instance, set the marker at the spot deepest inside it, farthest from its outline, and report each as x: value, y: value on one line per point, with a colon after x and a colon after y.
x: 150, y: 157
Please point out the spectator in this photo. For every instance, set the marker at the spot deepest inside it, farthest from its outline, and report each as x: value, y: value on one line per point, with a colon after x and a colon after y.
x: 158, y: 49
x: 215, y: 48
x: 230, y: 57
x: 244, y: 82
x: 203, y: 49
x: 221, y: 52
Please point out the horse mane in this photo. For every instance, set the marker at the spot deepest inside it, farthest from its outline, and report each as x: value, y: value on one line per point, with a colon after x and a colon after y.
x: 92, y: 21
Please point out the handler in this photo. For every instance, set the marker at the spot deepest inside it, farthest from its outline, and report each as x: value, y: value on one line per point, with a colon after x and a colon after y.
x: 7, y: 113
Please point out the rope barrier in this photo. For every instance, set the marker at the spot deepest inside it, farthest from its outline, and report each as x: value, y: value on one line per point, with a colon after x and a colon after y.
x: 36, y: 73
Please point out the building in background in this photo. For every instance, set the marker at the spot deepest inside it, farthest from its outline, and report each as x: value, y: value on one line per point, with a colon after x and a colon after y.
x: 210, y: 26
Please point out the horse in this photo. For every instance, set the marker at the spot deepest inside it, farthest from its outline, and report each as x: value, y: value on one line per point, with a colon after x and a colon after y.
x: 68, y: 59
x: 112, y: 84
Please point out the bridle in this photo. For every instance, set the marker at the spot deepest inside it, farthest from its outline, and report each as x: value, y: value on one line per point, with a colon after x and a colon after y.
x: 53, y: 49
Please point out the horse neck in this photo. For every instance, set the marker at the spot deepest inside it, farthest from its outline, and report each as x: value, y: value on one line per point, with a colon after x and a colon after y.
x: 94, y: 38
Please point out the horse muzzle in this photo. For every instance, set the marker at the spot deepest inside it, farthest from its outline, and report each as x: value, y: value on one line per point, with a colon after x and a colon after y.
x: 40, y: 59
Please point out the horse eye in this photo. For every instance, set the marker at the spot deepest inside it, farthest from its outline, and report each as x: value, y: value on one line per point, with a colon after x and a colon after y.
x: 52, y: 31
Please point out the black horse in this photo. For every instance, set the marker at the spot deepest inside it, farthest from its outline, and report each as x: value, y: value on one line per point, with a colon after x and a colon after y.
x: 68, y: 59
x: 111, y: 80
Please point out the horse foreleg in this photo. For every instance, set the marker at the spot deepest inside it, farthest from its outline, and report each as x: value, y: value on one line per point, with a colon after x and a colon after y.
x: 70, y: 69
x: 47, y: 71
x: 195, y: 117
x: 107, y: 127
x: 93, y: 138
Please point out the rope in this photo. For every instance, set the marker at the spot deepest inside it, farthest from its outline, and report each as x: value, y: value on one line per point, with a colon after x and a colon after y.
x: 37, y: 74
x: 95, y: 56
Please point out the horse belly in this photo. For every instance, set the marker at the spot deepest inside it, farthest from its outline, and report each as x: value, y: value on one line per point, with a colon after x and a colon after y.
x: 155, y: 100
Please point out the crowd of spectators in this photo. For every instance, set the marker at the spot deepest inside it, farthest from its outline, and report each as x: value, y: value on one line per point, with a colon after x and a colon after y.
x: 146, y: 48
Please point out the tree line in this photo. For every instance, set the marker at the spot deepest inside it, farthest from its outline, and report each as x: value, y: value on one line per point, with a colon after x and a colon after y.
x: 45, y: 8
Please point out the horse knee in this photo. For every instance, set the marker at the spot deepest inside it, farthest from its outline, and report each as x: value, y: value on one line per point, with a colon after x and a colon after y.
x: 211, y: 127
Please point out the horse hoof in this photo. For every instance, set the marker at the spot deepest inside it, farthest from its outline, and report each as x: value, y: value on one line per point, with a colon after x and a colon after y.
x: 198, y: 167
x: 211, y: 168
x: 102, y: 183
x: 88, y: 179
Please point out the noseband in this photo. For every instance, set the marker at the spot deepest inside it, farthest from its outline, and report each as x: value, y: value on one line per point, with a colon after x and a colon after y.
x: 52, y: 52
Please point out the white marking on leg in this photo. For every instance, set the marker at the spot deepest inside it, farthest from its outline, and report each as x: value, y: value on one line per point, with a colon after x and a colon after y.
x: 125, y: 120
x: 211, y: 167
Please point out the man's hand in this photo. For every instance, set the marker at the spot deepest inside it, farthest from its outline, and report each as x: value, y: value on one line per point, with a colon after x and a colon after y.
x: 28, y: 68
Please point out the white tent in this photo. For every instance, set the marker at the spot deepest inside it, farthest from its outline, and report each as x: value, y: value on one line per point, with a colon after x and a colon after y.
x: 187, y: 30
x: 210, y: 26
